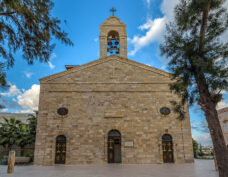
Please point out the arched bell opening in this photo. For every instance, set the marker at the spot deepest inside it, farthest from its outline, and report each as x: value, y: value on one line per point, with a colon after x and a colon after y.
x: 167, y: 148
x: 60, y: 151
x: 113, y: 43
x: 114, y: 146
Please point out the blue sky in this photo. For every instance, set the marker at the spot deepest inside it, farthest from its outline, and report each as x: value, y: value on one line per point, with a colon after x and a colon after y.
x: 81, y: 19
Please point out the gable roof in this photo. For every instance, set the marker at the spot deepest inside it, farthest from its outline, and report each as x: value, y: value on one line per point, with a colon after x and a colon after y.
x: 103, y: 60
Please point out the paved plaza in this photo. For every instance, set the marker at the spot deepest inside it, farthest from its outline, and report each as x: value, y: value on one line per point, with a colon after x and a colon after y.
x: 201, y: 168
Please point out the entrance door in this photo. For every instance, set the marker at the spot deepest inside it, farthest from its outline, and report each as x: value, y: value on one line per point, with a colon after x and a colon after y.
x: 114, y: 146
x: 167, y: 147
x: 60, y: 152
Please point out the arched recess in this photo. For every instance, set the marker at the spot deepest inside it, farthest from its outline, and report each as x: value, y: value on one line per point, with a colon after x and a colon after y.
x: 167, y: 148
x: 60, y: 151
x: 113, y: 43
x: 114, y: 146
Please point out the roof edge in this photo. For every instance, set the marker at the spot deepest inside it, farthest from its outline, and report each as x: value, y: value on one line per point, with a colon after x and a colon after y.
x: 76, y: 67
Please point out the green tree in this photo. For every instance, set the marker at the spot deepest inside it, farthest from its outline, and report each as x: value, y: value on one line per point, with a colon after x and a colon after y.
x: 27, y: 134
x: 201, y: 153
x: 27, y: 25
x: 195, y: 147
x: 9, y: 132
x: 198, y: 62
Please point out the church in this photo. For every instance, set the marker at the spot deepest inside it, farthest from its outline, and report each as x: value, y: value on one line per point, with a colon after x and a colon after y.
x: 111, y: 110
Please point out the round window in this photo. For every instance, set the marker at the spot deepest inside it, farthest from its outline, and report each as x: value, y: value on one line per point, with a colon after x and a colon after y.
x: 62, y: 111
x: 165, y: 111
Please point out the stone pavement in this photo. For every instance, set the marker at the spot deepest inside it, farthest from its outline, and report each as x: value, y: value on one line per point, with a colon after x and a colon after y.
x: 201, y: 168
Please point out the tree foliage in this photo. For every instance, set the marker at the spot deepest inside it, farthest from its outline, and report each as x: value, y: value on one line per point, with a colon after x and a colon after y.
x: 190, y: 53
x: 14, y: 132
x: 9, y: 132
x: 195, y: 147
x: 27, y: 25
x: 27, y: 133
x: 198, y: 62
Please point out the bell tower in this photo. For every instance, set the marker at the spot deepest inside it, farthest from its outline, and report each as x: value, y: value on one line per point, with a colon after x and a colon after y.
x: 113, y: 37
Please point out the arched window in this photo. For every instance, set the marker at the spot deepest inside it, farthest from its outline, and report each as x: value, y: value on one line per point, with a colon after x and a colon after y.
x: 60, y: 152
x: 113, y: 43
x: 114, y: 146
x: 167, y: 148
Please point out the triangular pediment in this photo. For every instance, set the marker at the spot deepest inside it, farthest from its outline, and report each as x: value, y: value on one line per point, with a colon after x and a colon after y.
x: 108, y: 70
x: 113, y: 20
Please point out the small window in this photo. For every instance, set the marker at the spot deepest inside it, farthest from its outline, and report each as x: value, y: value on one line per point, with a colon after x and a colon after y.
x: 165, y: 111
x: 62, y: 111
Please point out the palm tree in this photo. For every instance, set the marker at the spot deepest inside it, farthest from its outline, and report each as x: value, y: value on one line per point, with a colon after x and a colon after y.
x: 9, y: 132
x: 27, y: 133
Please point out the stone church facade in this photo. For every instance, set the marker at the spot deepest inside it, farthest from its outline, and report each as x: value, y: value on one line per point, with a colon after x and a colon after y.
x: 111, y: 110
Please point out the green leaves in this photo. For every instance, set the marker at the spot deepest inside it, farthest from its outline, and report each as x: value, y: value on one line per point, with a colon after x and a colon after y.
x: 27, y: 25
x: 192, y: 42
x: 14, y: 132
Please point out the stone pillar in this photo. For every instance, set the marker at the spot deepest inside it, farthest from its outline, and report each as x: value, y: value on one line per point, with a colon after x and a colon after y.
x: 11, y: 162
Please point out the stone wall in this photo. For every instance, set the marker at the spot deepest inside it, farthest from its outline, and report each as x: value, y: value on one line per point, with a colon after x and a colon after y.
x: 113, y: 93
x: 223, y: 118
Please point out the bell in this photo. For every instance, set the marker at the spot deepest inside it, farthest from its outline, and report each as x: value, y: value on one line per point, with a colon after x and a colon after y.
x: 110, y: 43
x: 116, y: 43
x: 111, y: 51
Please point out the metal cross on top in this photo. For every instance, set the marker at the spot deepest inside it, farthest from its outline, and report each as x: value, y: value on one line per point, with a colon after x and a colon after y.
x: 113, y: 10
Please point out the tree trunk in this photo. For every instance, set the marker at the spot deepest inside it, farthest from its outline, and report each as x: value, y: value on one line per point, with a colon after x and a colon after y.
x: 11, y: 162
x: 204, y: 25
x: 221, y: 151
x: 208, y: 105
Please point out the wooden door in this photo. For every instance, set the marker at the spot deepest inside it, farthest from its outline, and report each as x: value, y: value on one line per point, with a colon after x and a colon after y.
x: 167, y: 147
x: 114, y: 147
x: 60, y: 153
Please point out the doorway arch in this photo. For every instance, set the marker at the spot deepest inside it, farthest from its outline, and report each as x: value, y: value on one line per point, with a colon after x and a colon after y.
x: 60, y: 150
x: 167, y: 148
x: 114, y: 146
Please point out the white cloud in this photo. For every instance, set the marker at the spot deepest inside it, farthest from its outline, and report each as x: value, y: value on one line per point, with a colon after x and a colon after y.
x: 154, y: 30
x: 167, y: 8
x: 53, y: 56
x: 51, y: 66
x: 25, y: 111
x: 28, y: 74
x: 13, y: 91
x: 224, y: 36
x: 4, y: 110
x: 203, y: 139
x: 29, y: 99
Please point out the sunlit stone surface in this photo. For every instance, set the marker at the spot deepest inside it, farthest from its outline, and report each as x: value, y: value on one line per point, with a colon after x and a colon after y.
x: 201, y: 168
